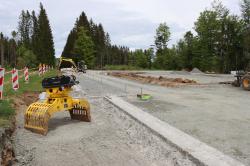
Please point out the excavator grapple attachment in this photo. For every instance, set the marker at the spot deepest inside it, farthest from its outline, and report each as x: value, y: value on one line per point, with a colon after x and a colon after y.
x: 80, y: 113
x: 37, y: 115
x: 36, y: 118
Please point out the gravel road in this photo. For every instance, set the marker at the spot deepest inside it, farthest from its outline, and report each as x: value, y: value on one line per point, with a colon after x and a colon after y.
x: 112, y: 138
x: 215, y: 114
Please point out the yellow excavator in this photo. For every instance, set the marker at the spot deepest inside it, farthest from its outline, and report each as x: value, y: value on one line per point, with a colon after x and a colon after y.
x: 66, y: 63
x: 242, y: 79
x: 58, y: 99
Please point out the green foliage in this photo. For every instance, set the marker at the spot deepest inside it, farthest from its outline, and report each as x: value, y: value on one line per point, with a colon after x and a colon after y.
x: 84, y: 48
x: 25, y: 28
x: 218, y: 45
x: 46, y: 52
x: 140, y: 59
x: 163, y: 57
x: 6, y: 111
x: 245, y: 9
x: 162, y: 36
x: 36, y: 37
x: 167, y: 59
x: 34, y: 85
x: 104, y: 52
x: 26, y: 57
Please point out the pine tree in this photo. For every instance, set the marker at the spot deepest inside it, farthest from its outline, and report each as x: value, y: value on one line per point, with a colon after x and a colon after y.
x: 25, y: 29
x: 35, y: 35
x: 47, y: 51
x: 84, y: 48
x: 81, y: 21
x: 69, y: 47
x: 245, y: 9
x: 104, y: 52
x: 107, y: 49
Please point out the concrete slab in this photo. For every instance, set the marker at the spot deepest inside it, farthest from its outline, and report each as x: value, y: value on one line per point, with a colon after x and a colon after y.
x: 198, y: 150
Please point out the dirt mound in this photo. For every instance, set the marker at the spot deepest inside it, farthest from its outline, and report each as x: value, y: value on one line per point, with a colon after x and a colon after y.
x: 163, y: 81
x: 196, y: 70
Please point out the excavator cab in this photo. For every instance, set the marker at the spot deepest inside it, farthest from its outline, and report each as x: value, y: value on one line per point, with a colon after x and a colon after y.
x: 246, y: 81
x: 81, y: 67
x: 242, y: 79
x: 57, y: 88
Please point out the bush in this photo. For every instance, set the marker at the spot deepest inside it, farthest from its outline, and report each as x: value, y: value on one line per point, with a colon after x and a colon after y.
x: 26, y: 57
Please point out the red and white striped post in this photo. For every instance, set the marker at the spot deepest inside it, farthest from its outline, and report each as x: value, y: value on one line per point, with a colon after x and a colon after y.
x: 40, y: 69
x: 26, y: 74
x: 15, y: 83
x: 1, y: 82
x: 44, y: 68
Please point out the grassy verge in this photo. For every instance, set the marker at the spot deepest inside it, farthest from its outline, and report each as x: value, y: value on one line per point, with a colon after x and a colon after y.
x: 6, y: 111
x: 34, y: 85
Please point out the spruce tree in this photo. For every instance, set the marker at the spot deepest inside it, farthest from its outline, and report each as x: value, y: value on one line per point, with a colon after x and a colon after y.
x: 35, y: 35
x: 25, y: 29
x: 47, y: 53
x: 69, y: 46
x: 84, y: 48
x: 81, y: 21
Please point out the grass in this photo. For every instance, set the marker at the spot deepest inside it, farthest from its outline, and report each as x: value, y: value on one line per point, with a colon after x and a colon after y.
x: 121, y: 67
x: 34, y: 85
x: 6, y: 112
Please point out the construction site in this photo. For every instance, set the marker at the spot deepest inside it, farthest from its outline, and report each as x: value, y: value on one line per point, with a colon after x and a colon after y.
x: 128, y: 83
x: 190, y: 118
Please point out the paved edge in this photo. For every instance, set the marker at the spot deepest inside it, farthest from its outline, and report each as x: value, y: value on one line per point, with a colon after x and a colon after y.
x: 199, y: 151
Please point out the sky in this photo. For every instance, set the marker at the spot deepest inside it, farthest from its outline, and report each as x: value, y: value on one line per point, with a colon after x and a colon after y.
x: 130, y: 23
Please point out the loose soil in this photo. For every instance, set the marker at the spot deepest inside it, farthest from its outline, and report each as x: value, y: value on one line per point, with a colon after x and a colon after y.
x: 162, y: 81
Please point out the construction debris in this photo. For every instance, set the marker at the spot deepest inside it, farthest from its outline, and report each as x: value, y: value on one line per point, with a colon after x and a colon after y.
x: 163, y: 81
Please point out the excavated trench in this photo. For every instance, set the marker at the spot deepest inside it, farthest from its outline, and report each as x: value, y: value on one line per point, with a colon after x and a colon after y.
x: 6, y: 142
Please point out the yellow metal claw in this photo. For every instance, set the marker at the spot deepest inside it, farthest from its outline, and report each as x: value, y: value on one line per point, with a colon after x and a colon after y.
x: 37, y: 115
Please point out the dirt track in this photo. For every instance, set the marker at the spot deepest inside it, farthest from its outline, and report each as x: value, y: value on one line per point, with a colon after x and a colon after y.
x: 112, y: 138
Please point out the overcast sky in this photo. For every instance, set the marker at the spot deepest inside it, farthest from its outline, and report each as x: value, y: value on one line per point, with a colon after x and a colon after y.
x: 129, y: 22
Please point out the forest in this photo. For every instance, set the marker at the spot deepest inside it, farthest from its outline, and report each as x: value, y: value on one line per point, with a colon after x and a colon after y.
x: 31, y: 43
x: 219, y: 42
